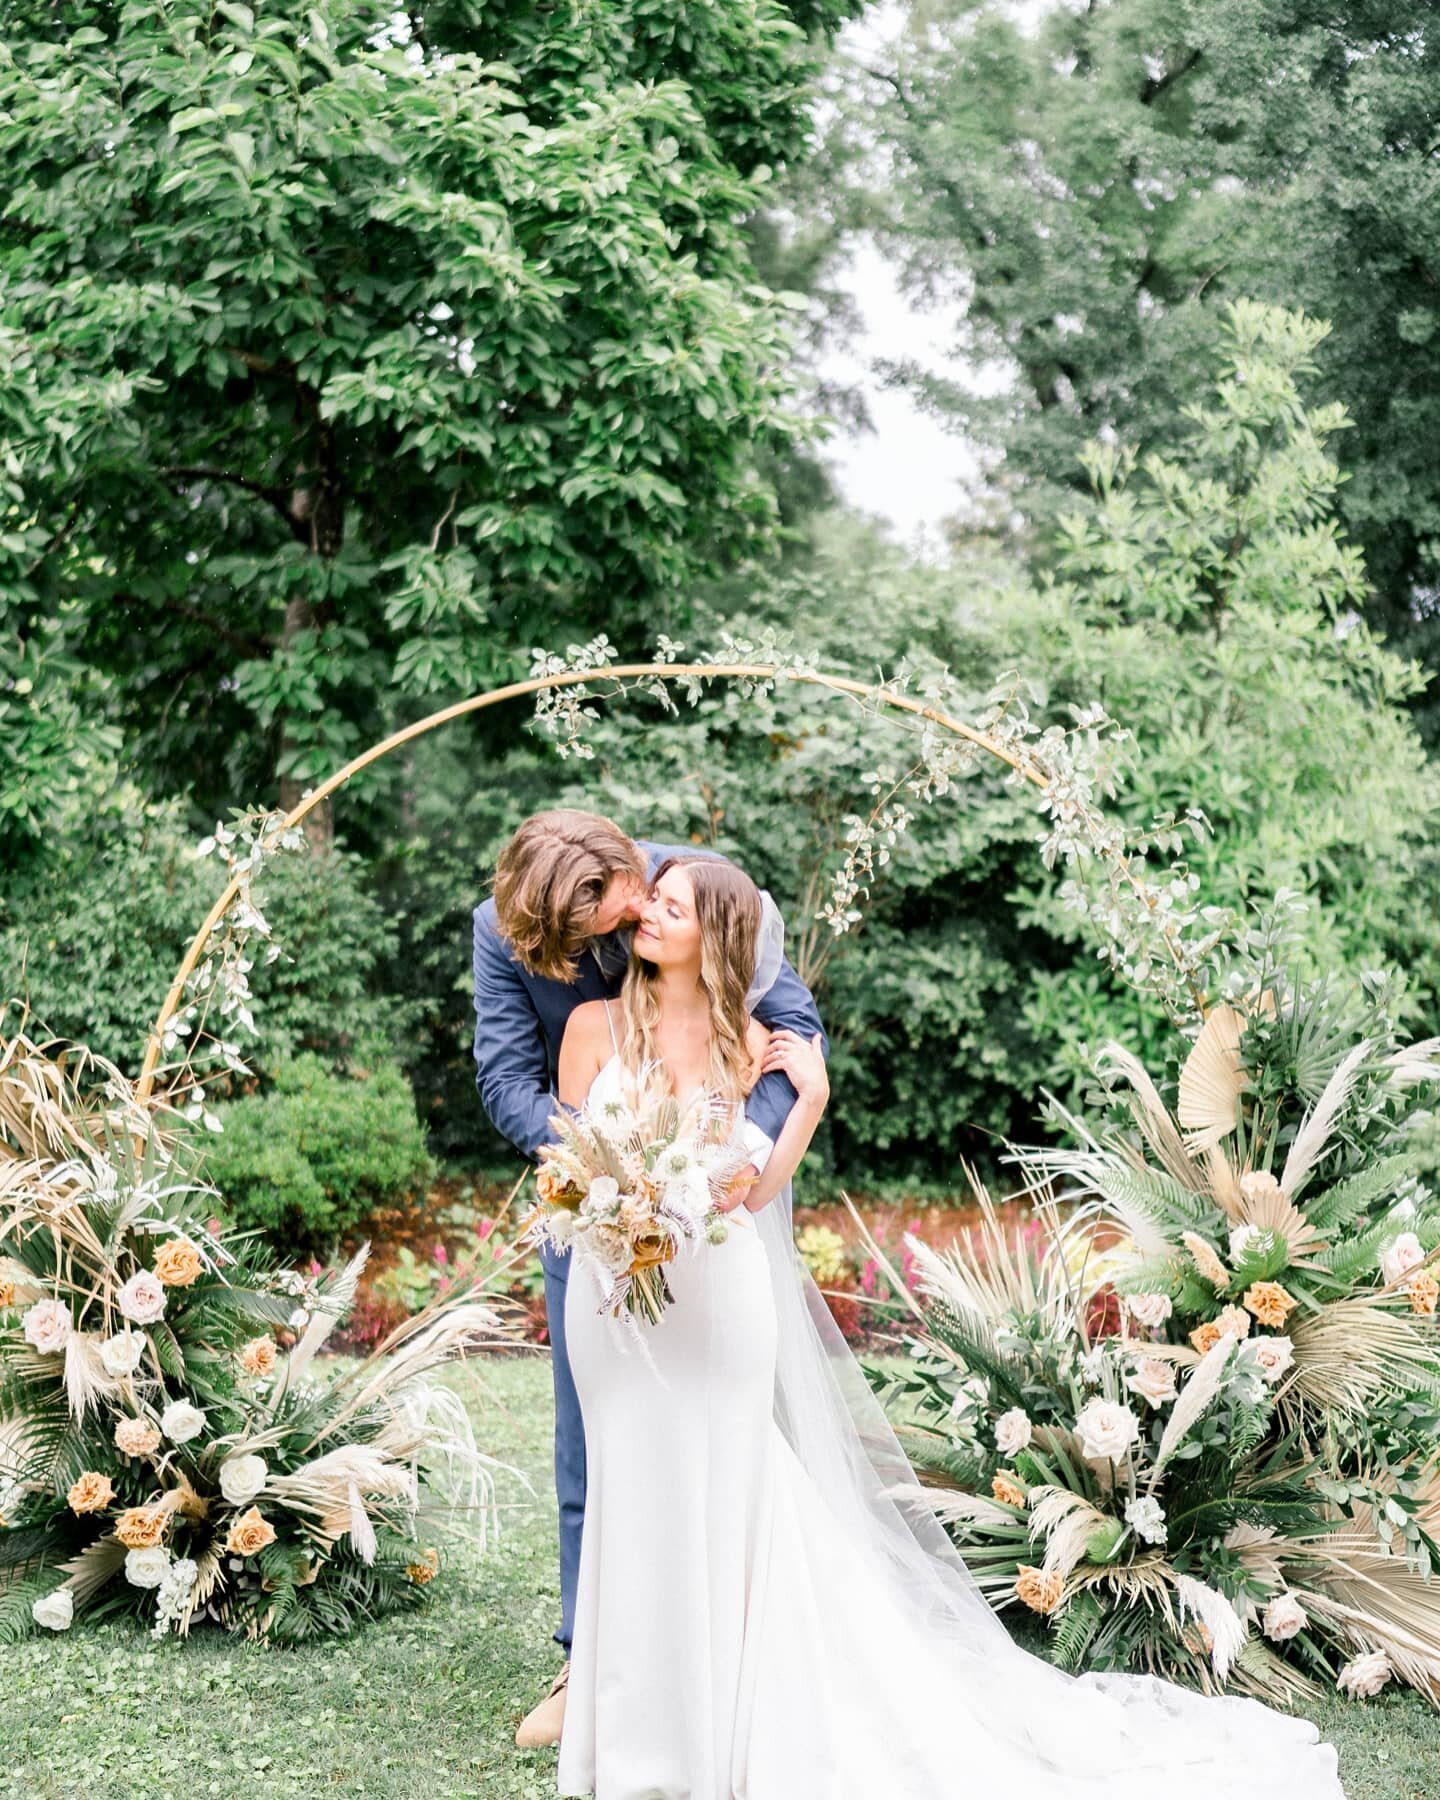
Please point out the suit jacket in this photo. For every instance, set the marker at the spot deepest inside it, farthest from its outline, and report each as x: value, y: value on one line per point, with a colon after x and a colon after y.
x: 520, y: 1020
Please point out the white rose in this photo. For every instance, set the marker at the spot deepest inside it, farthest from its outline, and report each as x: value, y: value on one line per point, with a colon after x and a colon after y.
x: 54, y: 1611
x: 47, y: 1326
x: 1152, y: 1380
x: 1284, y: 1617
x: 242, y: 1478
x: 147, y: 1568
x: 142, y: 1299
x: 299, y: 1319
x: 1241, y: 1236
x: 1146, y: 1519
x: 1272, y: 1356
x: 121, y: 1354
x: 1012, y: 1431
x: 1106, y: 1429
x: 1149, y: 1310
x: 1365, y: 1675
x: 181, y: 1421
x: 1400, y: 1257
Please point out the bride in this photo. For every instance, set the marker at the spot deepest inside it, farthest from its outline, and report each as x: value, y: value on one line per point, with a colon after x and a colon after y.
x: 766, y: 1611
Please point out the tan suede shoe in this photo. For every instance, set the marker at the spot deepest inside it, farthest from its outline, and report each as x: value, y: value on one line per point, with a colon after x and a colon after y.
x: 541, y: 1726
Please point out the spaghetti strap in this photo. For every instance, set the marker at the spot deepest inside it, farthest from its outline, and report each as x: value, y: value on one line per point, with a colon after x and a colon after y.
x: 610, y: 1021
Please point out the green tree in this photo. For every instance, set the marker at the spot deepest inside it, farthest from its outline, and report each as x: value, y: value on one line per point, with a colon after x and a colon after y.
x: 344, y: 354
x: 1097, y: 188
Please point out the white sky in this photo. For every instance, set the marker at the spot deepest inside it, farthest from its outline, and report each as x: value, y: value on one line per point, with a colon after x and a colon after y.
x: 909, y: 471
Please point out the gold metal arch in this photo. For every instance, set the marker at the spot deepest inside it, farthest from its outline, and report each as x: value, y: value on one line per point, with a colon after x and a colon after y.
x: 518, y: 690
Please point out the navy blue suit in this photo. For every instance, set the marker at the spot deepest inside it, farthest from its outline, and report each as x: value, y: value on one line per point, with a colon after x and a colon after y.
x: 520, y: 1021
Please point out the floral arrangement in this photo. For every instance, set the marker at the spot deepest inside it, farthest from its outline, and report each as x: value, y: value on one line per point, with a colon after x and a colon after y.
x: 1192, y: 1425
x: 167, y: 1448
x: 632, y: 1180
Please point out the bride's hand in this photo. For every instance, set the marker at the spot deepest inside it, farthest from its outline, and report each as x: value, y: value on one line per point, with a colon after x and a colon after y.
x: 803, y: 1062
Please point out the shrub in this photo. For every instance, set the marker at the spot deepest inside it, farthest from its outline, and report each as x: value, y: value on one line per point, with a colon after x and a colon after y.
x: 308, y: 1161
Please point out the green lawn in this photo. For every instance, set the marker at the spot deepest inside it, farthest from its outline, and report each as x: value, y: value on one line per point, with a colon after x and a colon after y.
x: 425, y: 1706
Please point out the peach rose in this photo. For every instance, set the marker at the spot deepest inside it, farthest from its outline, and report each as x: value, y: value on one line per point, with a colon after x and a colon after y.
x: 258, y: 1356
x: 1205, y: 1337
x: 1269, y: 1302
x: 92, y: 1492
x: 178, y: 1262
x: 426, y: 1569
x: 1235, y: 1321
x: 1424, y: 1291
x: 1007, y: 1489
x: 136, y: 1437
x: 141, y: 1527
x: 1038, y: 1589
x: 250, y: 1533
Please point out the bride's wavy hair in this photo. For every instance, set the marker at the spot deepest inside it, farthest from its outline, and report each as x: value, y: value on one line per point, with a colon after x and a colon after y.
x: 727, y: 910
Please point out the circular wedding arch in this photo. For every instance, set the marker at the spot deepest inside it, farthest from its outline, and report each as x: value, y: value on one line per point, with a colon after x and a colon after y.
x: 839, y: 685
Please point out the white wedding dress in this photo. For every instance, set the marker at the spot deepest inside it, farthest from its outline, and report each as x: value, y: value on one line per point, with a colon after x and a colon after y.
x: 738, y: 1637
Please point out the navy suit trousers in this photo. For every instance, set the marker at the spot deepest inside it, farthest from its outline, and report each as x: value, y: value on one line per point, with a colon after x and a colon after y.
x: 569, y: 1442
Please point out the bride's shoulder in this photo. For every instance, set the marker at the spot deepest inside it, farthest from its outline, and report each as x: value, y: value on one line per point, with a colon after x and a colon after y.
x: 586, y: 1023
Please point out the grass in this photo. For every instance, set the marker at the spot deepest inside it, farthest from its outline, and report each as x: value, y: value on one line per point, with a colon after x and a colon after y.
x: 425, y: 1705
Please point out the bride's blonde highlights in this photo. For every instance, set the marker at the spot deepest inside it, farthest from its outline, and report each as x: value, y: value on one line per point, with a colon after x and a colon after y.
x: 727, y: 911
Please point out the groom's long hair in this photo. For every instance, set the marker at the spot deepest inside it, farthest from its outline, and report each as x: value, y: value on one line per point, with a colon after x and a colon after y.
x: 727, y: 910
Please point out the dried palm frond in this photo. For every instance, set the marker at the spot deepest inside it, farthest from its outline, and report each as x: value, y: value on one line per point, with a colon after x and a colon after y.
x: 89, y: 1570
x: 1313, y: 1137
x: 1351, y: 1350
x: 1212, y: 1081
x: 1272, y: 1210
x: 1150, y: 1113
x: 1258, y: 1550
x: 1148, y: 1581
x: 1260, y: 1673
x: 952, y: 1507
x: 1376, y: 1601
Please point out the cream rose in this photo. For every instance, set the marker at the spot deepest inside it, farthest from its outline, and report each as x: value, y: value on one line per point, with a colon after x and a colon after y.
x: 1152, y: 1380
x: 136, y: 1437
x: 142, y: 1299
x: 1284, y: 1617
x: 1272, y: 1356
x: 242, y: 1478
x: 1260, y: 1184
x: 147, y: 1568
x: 178, y: 1262
x: 181, y: 1421
x: 1106, y: 1429
x: 1149, y: 1310
x: 121, y: 1354
x: 54, y: 1611
x: 1365, y: 1675
x: 1397, y: 1259
x: 47, y: 1326
x: 604, y: 1193
x: 1013, y: 1431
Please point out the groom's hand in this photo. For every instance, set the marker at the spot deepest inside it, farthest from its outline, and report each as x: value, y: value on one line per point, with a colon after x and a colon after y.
x: 740, y: 1186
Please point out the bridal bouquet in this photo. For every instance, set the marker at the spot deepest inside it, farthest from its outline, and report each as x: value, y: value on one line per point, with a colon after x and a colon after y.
x: 630, y: 1181
x: 168, y: 1448
x: 1196, y: 1433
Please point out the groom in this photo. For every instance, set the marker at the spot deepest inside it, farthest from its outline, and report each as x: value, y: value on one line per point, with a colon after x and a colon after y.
x: 568, y: 887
